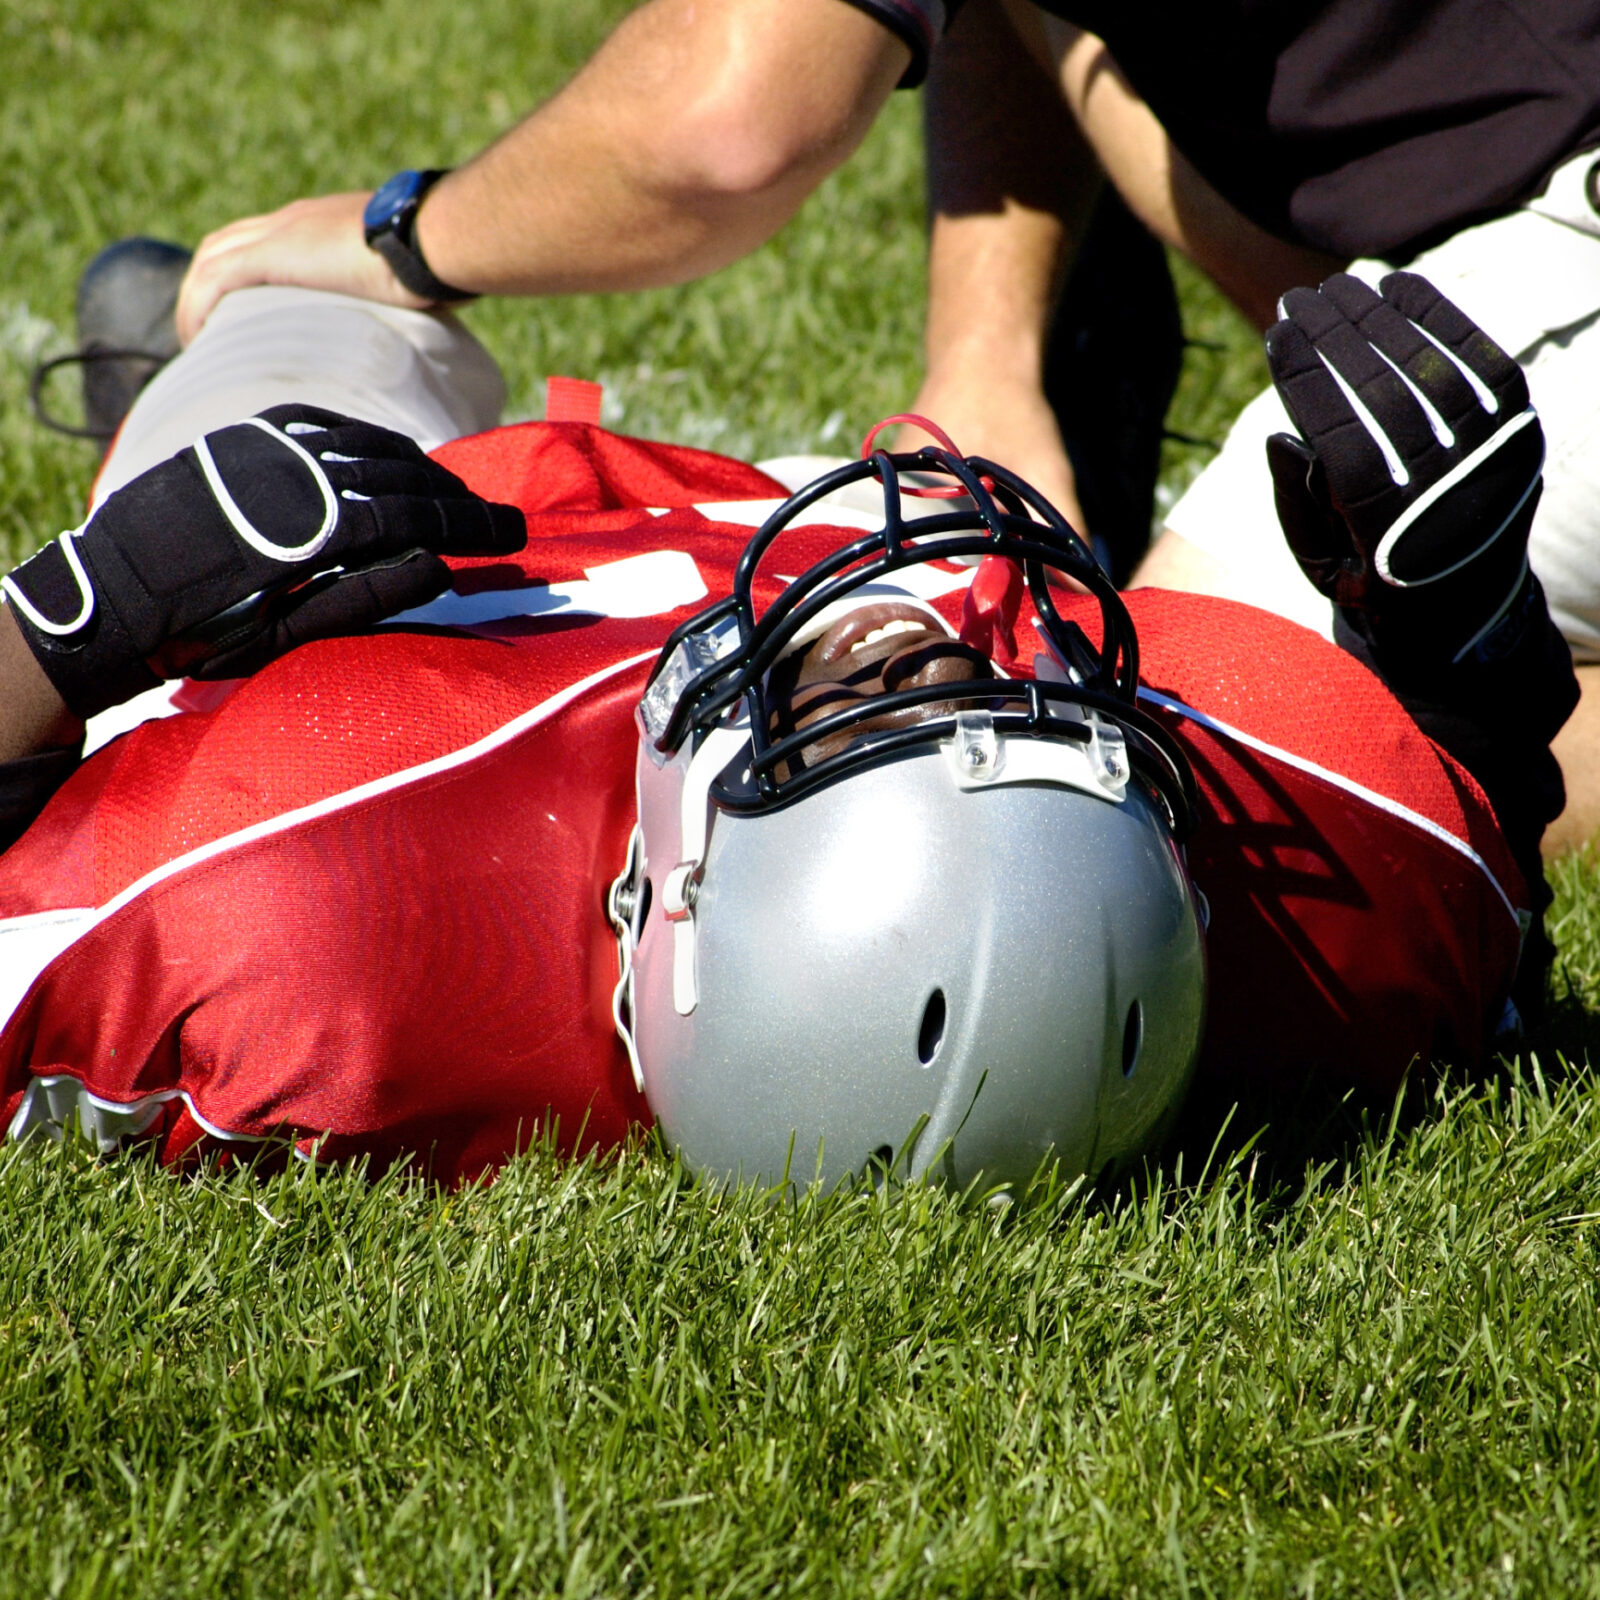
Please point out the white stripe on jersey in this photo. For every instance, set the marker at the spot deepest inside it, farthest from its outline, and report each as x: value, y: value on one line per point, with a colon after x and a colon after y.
x: 30, y: 943
x: 647, y: 585
x: 54, y: 1102
x: 1371, y: 796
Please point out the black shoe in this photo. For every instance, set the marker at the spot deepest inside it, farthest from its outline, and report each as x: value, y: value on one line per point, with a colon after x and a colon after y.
x: 126, y: 332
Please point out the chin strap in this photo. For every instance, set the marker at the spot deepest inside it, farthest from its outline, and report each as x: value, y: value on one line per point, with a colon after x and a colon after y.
x: 627, y: 904
x: 922, y: 491
x: 623, y: 907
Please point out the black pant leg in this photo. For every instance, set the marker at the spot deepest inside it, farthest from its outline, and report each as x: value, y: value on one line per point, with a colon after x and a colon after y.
x: 1111, y: 369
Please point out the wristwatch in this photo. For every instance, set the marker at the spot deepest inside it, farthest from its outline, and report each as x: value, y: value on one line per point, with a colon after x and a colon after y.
x: 389, y: 221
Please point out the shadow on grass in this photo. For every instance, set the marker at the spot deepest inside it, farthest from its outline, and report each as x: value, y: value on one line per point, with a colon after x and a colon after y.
x: 1315, y: 1130
x: 1570, y: 1038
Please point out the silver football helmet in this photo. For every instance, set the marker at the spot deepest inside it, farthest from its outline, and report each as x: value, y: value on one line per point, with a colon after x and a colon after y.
x: 888, y: 907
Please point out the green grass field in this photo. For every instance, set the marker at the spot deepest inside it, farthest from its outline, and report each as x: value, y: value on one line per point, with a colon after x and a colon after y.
x: 1326, y: 1348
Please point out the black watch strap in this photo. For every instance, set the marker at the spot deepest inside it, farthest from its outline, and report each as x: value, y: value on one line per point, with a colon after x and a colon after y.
x: 393, y: 235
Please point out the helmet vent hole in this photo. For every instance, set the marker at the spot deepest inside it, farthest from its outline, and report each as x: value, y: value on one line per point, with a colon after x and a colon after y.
x: 1132, y: 1038
x: 644, y: 904
x: 931, y: 1034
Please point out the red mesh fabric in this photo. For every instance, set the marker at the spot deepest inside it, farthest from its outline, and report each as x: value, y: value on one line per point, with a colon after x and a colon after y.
x: 574, y: 466
x: 1282, y: 684
x: 1344, y: 938
x: 427, y: 973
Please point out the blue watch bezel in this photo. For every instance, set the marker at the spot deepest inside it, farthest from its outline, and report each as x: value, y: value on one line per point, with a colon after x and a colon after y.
x: 392, y: 200
x: 388, y: 220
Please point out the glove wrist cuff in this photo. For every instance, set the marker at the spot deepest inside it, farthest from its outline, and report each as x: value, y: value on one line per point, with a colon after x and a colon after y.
x: 94, y: 668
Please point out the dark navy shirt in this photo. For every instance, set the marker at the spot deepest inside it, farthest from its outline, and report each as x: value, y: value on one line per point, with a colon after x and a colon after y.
x: 1360, y: 127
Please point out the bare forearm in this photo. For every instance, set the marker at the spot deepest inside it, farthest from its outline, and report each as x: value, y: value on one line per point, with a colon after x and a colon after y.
x: 1011, y: 182
x: 691, y: 137
x: 1010, y: 186
x: 992, y: 283
x: 33, y: 716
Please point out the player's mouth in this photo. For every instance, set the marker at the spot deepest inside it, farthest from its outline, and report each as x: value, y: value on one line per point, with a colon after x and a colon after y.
x: 873, y: 650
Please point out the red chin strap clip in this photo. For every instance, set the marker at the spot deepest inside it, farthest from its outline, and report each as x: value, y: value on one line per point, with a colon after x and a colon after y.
x: 989, y: 611
x: 994, y: 598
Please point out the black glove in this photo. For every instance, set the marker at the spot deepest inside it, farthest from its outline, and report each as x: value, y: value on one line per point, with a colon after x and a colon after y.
x: 1408, y: 498
x: 1414, y: 521
x: 298, y: 524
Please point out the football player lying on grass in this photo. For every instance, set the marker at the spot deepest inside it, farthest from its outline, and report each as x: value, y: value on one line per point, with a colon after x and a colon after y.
x: 884, y: 862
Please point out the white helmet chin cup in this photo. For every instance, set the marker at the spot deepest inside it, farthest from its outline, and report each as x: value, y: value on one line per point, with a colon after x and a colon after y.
x: 964, y: 948
x: 968, y: 983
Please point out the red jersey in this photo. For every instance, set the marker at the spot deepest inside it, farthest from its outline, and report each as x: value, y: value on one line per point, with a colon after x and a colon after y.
x: 356, y: 902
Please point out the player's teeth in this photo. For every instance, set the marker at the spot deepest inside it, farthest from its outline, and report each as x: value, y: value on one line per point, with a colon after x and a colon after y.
x: 899, y: 625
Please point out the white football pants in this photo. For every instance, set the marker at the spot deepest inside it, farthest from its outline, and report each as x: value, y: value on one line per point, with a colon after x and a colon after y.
x: 418, y: 372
